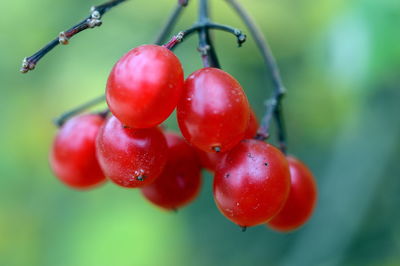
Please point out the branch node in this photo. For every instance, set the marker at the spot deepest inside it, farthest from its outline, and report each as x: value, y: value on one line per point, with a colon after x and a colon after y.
x: 204, y: 49
x: 27, y: 65
x: 180, y: 35
x: 174, y: 40
x: 241, y: 38
x: 62, y: 38
x: 95, y: 19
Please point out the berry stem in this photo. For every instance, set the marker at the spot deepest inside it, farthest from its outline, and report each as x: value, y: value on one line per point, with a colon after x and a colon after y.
x: 206, y: 47
x: 174, y: 40
x: 274, y: 105
x: 65, y: 116
x: 240, y: 36
x: 92, y: 21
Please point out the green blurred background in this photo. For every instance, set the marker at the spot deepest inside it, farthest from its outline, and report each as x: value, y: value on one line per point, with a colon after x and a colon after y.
x: 340, y: 61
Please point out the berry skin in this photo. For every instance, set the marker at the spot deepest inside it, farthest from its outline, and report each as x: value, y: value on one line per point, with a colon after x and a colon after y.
x: 213, y: 113
x: 73, y: 155
x: 209, y: 160
x: 144, y: 86
x: 301, y: 201
x: 251, y: 183
x: 180, y: 181
x: 252, y: 128
x: 131, y: 157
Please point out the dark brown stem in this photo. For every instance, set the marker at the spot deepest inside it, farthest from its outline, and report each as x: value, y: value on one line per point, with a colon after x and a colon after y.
x: 92, y: 21
x: 77, y: 110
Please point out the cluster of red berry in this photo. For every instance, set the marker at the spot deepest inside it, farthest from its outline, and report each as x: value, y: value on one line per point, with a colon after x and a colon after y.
x: 254, y: 183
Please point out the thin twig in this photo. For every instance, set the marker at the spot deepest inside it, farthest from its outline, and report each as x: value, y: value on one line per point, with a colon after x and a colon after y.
x: 240, y: 36
x: 274, y: 105
x: 59, y: 121
x: 92, y: 21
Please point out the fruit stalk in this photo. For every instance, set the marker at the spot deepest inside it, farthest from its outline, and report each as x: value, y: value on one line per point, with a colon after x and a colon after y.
x: 206, y: 47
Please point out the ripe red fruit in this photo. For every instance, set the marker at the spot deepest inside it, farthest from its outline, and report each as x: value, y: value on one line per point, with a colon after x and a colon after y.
x: 180, y: 181
x: 73, y: 156
x: 251, y: 183
x: 252, y: 128
x: 131, y: 157
x: 301, y: 201
x: 213, y: 113
x: 144, y: 86
x: 210, y: 160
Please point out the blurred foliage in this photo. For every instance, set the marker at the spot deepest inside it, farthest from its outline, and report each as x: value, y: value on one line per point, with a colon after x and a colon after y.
x: 340, y: 61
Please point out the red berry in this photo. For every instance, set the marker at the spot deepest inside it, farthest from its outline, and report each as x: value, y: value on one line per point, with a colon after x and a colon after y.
x: 251, y: 183
x: 73, y: 156
x: 213, y: 113
x: 252, y: 128
x: 180, y: 181
x: 301, y: 201
x: 210, y: 160
x: 144, y: 86
x: 131, y: 157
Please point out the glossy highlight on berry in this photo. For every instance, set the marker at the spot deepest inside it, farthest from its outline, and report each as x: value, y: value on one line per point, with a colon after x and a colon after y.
x: 301, y: 201
x: 180, y: 181
x: 73, y: 155
x: 210, y: 160
x: 144, y: 86
x: 213, y: 113
x: 252, y: 183
x: 131, y: 157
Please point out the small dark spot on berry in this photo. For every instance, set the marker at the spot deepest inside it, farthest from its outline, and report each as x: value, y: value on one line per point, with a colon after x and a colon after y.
x: 227, y: 175
x: 266, y: 164
x: 141, y: 178
x: 244, y: 228
x: 216, y: 148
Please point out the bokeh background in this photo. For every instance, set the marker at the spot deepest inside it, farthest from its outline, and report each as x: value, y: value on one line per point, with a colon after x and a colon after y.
x: 340, y: 61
